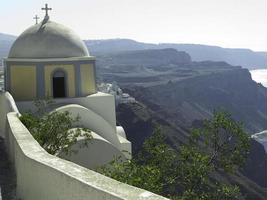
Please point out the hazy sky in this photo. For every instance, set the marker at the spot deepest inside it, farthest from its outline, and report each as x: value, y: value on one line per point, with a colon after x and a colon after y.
x: 226, y: 23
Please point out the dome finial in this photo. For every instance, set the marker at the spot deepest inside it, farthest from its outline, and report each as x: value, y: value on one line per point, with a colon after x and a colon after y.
x: 36, y: 19
x: 46, y: 10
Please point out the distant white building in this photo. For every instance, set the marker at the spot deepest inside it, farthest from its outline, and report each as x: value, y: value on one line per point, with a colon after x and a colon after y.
x: 117, y: 92
x: 1, y: 81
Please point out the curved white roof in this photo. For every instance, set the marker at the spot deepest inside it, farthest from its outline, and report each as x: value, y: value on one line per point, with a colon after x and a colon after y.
x: 48, y: 39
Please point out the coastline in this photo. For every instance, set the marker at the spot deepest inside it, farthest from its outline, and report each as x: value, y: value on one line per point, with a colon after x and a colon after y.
x: 259, y: 76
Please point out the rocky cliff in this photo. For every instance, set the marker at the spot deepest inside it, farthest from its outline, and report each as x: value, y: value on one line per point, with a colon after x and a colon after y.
x: 138, y: 121
x: 178, y: 106
x: 197, y: 97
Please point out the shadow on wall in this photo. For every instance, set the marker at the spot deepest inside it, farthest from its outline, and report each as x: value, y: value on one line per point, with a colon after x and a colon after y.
x: 7, y: 175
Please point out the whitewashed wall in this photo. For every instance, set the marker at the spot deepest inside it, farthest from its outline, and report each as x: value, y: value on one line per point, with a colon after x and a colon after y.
x: 100, y: 103
x: 7, y: 104
x: 45, y: 177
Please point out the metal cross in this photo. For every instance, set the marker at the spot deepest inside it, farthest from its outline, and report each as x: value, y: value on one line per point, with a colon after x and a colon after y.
x: 36, y: 19
x: 46, y: 9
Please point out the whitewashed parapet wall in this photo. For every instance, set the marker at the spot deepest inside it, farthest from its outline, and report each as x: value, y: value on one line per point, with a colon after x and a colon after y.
x: 7, y: 104
x: 45, y: 177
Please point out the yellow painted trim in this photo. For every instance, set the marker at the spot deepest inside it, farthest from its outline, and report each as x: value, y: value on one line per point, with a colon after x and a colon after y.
x: 23, y: 82
x: 87, y: 79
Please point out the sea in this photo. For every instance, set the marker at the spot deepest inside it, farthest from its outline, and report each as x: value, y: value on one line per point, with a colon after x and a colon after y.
x: 260, y: 76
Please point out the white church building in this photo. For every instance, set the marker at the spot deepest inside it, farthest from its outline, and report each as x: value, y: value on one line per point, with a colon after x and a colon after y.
x: 50, y: 60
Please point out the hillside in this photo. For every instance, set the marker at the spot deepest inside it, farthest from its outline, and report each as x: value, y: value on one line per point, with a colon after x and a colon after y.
x: 179, y: 104
x: 5, y: 44
x: 7, y: 37
x: 153, y: 67
x: 240, y: 57
x: 138, y: 121
x: 187, y: 90
x: 197, y: 97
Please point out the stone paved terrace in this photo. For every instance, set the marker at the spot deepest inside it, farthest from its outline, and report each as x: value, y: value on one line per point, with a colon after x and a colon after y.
x: 7, y: 176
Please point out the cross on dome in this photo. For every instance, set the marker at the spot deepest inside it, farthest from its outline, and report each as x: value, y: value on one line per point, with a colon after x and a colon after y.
x: 46, y: 9
x: 36, y: 19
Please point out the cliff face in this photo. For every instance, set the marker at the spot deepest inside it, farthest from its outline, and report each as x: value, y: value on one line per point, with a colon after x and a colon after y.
x: 183, y: 104
x: 196, y: 98
x: 138, y: 121
x: 256, y: 165
x: 153, y: 67
x: 177, y: 94
x: 151, y: 57
x: 244, y: 57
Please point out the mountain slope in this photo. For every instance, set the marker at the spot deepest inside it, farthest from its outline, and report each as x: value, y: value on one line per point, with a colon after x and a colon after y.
x: 7, y: 37
x: 5, y: 43
x: 153, y: 67
x: 139, y: 120
x: 197, y: 97
x: 179, y: 104
x: 242, y: 57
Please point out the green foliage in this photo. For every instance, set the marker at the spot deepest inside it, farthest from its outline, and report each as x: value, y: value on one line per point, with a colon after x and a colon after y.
x: 54, y: 131
x: 220, y: 146
x: 226, y: 141
x: 147, y: 170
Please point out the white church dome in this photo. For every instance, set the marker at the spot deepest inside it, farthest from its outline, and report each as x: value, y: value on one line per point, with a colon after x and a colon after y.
x: 48, y: 40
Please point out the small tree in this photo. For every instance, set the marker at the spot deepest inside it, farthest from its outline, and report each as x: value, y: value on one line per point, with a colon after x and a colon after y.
x: 54, y: 131
x: 220, y: 146
x: 148, y: 169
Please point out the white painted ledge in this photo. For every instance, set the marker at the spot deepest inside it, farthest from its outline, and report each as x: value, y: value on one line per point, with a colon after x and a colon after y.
x: 45, y: 177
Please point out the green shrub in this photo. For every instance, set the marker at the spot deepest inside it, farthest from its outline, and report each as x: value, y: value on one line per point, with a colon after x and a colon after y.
x: 220, y: 146
x: 54, y: 131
